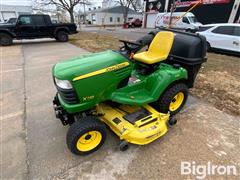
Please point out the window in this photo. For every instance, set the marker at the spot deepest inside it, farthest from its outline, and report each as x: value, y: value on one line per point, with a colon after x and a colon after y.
x: 25, y: 20
x: 236, y: 31
x: 226, y: 30
x: 111, y: 19
x: 38, y: 20
x: 192, y: 19
x: 204, y: 28
x: 185, y: 20
x: 118, y: 19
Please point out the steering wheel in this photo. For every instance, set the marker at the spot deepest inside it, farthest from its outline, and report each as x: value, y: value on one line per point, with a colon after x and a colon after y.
x: 128, y: 45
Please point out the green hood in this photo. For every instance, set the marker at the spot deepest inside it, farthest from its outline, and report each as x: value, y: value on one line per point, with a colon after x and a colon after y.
x: 67, y: 70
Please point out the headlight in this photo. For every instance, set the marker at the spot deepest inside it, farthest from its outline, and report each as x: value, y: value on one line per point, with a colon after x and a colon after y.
x: 64, y: 84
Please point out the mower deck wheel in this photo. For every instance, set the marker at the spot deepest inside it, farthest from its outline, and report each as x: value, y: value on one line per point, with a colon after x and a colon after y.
x: 86, y: 135
x: 123, y: 146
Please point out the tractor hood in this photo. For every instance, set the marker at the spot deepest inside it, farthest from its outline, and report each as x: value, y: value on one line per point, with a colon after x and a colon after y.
x: 70, y: 69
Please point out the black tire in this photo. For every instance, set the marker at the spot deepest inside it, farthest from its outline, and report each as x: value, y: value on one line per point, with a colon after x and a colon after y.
x: 62, y: 36
x: 5, y: 39
x: 163, y: 103
x: 80, y: 128
x: 208, y: 47
x: 123, y: 146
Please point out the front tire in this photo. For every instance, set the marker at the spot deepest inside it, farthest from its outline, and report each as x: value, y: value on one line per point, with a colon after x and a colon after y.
x: 5, y: 39
x: 173, y: 99
x: 62, y: 36
x: 86, y: 135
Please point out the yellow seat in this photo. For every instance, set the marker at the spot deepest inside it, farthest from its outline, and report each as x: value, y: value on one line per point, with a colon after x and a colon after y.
x: 158, y: 50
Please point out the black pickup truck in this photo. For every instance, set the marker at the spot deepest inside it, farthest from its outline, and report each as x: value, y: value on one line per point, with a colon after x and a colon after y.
x: 35, y: 26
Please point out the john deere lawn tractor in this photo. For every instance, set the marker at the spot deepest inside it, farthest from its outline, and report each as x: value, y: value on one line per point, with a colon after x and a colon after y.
x: 135, y: 93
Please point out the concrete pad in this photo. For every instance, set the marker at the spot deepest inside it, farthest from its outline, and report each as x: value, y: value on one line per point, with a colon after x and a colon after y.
x: 13, y: 154
x: 11, y: 58
x: 202, y: 134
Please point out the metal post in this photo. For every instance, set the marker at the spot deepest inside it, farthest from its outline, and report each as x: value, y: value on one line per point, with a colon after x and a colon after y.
x: 172, y: 10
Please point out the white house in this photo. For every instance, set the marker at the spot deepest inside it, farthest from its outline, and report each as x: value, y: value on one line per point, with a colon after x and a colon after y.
x: 12, y: 11
x: 110, y: 16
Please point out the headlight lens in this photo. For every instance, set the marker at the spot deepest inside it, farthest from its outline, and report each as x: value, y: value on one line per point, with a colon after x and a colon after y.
x: 64, y: 84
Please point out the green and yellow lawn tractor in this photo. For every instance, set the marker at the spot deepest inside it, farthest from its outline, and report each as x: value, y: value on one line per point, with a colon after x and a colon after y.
x: 134, y: 93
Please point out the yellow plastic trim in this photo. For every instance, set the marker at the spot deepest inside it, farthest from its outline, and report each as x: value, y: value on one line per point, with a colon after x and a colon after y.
x: 176, y: 101
x: 142, y: 132
x: 89, y: 141
x: 158, y: 50
x: 101, y: 71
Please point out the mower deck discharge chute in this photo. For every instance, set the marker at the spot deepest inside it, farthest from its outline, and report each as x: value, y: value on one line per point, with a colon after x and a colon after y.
x: 135, y: 94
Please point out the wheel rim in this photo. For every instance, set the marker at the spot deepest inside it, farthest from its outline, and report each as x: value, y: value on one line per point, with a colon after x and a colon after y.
x: 4, y: 40
x: 176, y: 101
x: 63, y: 37
x: 89, y: 141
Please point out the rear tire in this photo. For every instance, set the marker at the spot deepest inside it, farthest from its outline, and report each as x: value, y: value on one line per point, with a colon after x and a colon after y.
x: 208, y: 47
x: 86, y: 135
x: 173, y: 99
x: 62, y: 36
x: 5, y: 39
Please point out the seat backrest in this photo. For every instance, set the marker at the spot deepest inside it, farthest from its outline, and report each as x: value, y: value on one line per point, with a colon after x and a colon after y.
x: 161, y: 43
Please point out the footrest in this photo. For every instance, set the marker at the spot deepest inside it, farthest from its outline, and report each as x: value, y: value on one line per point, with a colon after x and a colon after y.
x: 137, y: 97
x: 137, y: 115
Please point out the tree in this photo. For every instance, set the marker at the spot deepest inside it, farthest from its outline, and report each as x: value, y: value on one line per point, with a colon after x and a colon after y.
x: 126, y: 4
x: 125, y: 8
x: 67, y: 5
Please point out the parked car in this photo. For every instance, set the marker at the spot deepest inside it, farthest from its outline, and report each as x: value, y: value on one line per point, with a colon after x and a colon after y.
x: 35, y: 26
x: 135, y: 23
x: 188, y: 22
x: 222, y: 37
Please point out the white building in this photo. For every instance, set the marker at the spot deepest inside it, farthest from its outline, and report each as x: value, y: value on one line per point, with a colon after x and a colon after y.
x: 12, y: 11
x: 110, y: 16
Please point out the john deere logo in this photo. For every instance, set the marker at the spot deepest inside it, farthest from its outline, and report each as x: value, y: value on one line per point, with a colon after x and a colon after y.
x: 118, y: 66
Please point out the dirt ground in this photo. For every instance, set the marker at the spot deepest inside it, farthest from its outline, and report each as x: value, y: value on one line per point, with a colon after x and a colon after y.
x: 217, y: 83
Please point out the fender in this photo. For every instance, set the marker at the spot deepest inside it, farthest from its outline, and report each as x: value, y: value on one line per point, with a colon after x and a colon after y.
x: 154, y: 85
x: 12, y: 34
x: 63, y: 28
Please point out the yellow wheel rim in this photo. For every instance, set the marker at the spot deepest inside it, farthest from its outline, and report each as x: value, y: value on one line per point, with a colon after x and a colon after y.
x: 89, y: 141
x: 176, y: 101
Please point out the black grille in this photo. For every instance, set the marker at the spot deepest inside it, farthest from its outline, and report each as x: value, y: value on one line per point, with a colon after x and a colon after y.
x: 68, y: 95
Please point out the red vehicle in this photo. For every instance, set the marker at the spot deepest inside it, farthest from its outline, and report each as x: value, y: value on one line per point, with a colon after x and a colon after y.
x: 135, y: 23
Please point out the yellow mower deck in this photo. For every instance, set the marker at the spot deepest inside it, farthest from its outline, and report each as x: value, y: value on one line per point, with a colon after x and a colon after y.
x: 141, y: 131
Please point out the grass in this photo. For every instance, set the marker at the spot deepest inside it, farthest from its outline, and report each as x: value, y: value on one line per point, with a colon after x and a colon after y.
x: 218, y: 81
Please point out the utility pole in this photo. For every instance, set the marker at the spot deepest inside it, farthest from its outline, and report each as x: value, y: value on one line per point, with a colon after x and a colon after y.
x: 84, y: 12
x: 173, y: 7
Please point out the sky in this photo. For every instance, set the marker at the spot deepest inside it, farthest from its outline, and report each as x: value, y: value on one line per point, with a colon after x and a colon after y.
x: 95, y: 3
x: 28, y: 2
x: 16, y: 2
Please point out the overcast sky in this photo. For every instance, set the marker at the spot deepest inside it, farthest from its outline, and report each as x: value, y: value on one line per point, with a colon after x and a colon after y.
x: 29, y: 2
x: 16, y: 2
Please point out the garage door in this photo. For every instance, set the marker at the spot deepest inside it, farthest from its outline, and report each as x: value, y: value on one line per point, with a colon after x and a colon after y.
x: 9, y: 14
x: 151, y: 20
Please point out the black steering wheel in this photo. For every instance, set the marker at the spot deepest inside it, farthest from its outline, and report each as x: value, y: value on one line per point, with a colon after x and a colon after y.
x: 130, y: 46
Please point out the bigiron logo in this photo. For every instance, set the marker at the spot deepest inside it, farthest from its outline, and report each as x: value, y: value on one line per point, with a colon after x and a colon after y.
x: 209, y: 169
